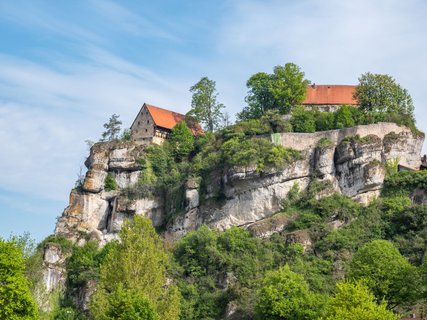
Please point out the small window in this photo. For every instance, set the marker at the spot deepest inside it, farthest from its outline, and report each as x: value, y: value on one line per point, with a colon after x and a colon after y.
x: 148, y: 121
x: 139, y: 123
x: 146, y: 130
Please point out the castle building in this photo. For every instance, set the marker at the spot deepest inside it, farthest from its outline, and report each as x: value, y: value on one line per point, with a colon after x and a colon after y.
x: 153, y: 124
x: 329, y: 97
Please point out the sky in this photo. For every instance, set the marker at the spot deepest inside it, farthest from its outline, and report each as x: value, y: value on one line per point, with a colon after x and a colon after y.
x: 67, y: 66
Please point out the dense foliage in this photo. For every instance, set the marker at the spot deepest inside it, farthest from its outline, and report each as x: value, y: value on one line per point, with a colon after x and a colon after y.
x: 372, y: 267
x: 354, y: 301
x: 282, y: 90
x: 16, y: 301
x: 133, y: 274
x: 379, y: 94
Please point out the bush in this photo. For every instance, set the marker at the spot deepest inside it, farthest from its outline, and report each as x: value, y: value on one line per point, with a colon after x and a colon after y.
x: 303, y: 120
x: 324, y: 121
x: 344, y: 118
x: 259, y: 152
x: 181, y: 141
x: 110, y: 183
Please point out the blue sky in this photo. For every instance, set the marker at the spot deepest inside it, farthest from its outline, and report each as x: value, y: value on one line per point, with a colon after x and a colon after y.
x: 66, y: 66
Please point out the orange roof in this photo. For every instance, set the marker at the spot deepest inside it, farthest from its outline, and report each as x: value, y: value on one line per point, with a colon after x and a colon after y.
x: 168, y: 119
x: 330, y: 94
x: 164, y: 118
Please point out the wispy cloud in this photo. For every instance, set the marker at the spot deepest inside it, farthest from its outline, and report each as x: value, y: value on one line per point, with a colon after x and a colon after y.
x: 123, y: 19
x: 41, y: 129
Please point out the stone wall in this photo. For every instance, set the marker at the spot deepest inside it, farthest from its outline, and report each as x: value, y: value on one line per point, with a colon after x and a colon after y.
x: 309, y: 141
x: 143, y: 126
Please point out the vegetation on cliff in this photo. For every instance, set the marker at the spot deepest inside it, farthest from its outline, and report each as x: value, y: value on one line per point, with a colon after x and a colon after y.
x: 333, y: 258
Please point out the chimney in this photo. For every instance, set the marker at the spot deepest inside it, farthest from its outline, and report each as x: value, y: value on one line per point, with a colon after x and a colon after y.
x: 313, y: 86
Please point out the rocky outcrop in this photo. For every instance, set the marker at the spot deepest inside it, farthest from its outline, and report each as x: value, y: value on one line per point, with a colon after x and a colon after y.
x: 350, y: 161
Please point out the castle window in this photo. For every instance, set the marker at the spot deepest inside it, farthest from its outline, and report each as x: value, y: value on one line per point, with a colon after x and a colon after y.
x: 139, y: 123
x: 148, y: 121
x: 146, y: 130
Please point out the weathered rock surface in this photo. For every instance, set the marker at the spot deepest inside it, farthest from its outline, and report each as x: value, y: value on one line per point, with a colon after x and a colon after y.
x: 351, y: 161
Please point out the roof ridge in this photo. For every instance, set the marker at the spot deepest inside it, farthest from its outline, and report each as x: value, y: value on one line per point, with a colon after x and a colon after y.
x: 153, y: 106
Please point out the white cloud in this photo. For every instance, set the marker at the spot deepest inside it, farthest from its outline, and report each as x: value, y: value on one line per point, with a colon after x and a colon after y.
x: 46, y: 114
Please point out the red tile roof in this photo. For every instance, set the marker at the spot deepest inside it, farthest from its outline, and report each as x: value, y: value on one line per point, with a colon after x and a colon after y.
x: 330, y: 94
x: 164, y: 118
x: 168, y: 119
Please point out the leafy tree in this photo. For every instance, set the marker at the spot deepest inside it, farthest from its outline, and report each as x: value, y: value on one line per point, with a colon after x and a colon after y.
x: 387, y: 273
x: 282, y: 90
x: 379, y: 94
x: 259, y: 98
x: 344, y: 118
x: 181, y: 141
x: 134, y: 271
x: 286, y: 295
x: 204, y: 105
x: 16, y: 301
x: 129, y: 305
x: 303, y: 120
x: 324, y: 121
x: 354, y: 301
x: 112, y: 128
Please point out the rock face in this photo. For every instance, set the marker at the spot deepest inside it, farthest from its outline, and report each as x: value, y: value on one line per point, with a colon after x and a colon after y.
x: 53, y: 271
x: 351, y: 161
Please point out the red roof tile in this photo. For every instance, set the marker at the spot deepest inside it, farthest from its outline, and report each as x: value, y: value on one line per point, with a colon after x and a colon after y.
x: 168, y: 119
x: 164, y: 118
x: 330, y: 94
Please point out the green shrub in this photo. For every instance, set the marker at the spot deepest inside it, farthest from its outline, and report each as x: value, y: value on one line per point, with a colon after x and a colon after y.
x: 344, y: 118
x: 256, y: 151
x: 324, y: 121
x: 403, y: 182
x: 181, y: 141
x: 303, y: 120
x: 110, y: 183
x: 324, y: 143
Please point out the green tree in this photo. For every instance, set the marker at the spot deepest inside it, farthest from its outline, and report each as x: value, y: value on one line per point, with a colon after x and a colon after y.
x: 379, y: 94
x: 387, y: 273
x: 282, y: 90
x: 204, y: 106
x: 344, y: 118
x: 354, y: 301
x: 134, y: 271
x: 129, y: 305
x: 286, y: 295
x: 303, y: 120
x: 16, y: 301
x: 112, y: 128
x: 181, y: 141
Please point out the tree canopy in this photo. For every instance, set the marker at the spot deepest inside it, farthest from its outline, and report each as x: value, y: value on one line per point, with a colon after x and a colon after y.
x: 387, y: 273
x: 181, y: 140
x: 282, y: 90
x: 134, y: 272
x: 204, y: 105
x: 286, y: 295
x: 16, y: 301
x: 354, y: 301
x: 379, y: 94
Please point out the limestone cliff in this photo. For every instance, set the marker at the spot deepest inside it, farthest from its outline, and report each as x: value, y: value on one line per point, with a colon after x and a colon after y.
x: 350, y: 160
